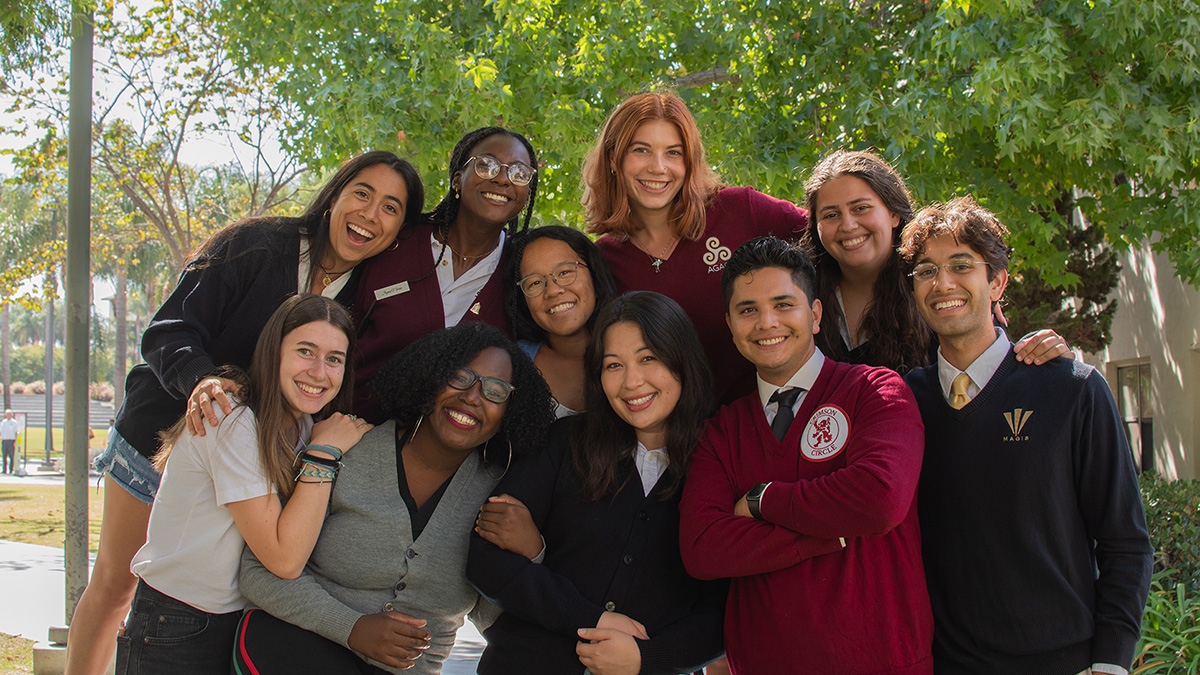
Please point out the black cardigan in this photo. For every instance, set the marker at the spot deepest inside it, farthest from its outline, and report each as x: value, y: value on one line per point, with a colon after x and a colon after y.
x: 212, y: 318
x: 619, y: 554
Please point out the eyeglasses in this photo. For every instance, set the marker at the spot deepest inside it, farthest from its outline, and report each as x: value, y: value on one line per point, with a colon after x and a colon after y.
x: 487, y: 168
x: 927, y: 272
x: 494, y: 389
x: 564, y: 274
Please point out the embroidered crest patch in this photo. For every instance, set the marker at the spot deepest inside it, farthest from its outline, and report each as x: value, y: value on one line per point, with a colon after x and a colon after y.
x: 825, y: 434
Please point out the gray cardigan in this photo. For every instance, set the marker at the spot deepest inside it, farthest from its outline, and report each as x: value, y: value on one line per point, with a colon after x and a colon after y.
x: 366, y: 561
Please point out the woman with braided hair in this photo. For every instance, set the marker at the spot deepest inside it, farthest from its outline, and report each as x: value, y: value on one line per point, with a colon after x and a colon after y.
x: 448, y: 268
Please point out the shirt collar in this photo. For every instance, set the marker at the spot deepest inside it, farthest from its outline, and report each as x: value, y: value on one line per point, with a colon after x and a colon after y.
x: 804, y: 378
x: 980, y: 370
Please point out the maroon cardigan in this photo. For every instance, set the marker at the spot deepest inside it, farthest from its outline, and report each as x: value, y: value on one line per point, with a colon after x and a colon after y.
x: 411, y: 309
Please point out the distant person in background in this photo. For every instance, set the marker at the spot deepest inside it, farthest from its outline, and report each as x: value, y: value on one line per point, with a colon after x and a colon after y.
x: 8, y: 441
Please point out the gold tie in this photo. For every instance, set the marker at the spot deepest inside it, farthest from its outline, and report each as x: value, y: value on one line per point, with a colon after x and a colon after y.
x: 958, y: 391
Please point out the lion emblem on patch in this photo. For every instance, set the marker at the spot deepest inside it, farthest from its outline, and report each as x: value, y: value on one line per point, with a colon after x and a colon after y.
x: 825, y: 434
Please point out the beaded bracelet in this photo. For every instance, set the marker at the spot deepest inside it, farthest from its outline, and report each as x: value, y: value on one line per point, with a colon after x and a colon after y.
x: 331, y: 449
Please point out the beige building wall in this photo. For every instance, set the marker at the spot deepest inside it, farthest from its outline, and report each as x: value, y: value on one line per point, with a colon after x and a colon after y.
x: 1157, y: 327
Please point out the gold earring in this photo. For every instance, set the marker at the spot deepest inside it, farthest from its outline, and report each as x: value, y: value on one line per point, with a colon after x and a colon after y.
x: 395, y: 244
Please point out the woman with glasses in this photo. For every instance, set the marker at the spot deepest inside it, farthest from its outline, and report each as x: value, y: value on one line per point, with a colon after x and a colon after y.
x: 858, y: 205
x: 448, y: 268
x: 556, y: 283
x: 608, y: 593
x: 385, y: 589
x: 669, y: 224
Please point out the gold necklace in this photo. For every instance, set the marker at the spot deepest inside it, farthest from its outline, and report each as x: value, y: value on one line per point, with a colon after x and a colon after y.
x: 657, y: 261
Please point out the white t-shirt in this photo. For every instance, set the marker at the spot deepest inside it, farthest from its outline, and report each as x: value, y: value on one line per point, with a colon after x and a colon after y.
x: 193, y: 548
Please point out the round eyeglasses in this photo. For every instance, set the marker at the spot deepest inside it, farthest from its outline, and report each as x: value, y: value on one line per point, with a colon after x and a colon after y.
x: 488, y: 168
x: 927, y: 271
x: 494, y: 389
x: 563, y: 274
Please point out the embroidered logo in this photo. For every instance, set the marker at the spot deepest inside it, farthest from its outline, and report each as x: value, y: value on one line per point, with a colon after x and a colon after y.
x: 716, y: 254
x: 1016, y: 422
x: 825, y: 434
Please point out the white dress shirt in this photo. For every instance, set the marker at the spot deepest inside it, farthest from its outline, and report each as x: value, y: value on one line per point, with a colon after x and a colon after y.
x: 802, y: 378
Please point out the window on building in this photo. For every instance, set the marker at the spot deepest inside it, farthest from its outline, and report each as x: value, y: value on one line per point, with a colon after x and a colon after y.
x: 1136, y: 409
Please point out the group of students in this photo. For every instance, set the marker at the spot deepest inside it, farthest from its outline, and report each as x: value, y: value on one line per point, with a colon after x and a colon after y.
x: 453, y: 492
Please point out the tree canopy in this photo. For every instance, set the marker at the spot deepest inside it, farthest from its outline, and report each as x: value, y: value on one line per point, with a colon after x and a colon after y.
x: 1022, y: 103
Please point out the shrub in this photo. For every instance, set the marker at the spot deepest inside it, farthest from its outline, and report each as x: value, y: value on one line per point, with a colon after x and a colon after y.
x: 100, y: 391
x: 1173, y: 517
x: 16, y: 388
x: 1170, y: 629
x: 38, y: 388
x: 60, y: 389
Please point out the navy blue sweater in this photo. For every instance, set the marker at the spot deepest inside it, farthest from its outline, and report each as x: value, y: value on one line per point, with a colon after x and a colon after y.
x: 1024, y: 494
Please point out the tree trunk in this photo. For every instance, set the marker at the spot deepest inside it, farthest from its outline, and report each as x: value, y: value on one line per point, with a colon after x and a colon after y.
x: 121, y: 343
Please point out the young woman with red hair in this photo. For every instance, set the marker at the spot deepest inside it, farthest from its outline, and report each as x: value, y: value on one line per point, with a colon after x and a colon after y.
x: 669, y: 224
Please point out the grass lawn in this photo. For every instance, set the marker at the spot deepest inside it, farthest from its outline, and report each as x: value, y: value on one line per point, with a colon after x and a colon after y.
x: 16, y: 655
x: 34, y: 442
x: 33, y: 514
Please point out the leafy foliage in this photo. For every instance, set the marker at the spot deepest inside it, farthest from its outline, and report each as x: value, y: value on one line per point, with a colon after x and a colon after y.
x: 1012, y: 101
x: 27, y: 26
x: 1173, y: 516
x: 1170, y: 642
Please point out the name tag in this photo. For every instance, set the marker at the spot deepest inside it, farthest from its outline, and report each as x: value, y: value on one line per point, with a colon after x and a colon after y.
x: 389, y: 291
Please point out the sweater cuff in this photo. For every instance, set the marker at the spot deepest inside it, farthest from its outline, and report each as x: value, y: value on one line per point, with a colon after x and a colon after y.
x: 192, y: 372
x: 1112, y: 647
x: 583, y: 615
x: 338, y: 622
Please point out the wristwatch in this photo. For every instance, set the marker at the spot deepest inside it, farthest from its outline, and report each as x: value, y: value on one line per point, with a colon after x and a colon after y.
x: 754, y: 497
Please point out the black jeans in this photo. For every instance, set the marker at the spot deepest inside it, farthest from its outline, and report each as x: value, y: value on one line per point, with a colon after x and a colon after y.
x: 165, y: 635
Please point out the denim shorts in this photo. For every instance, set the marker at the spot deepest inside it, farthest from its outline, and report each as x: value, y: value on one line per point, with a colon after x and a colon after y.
x: 165, y: 635
x: 128, y: 468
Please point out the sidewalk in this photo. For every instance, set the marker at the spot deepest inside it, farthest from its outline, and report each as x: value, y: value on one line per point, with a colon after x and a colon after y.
x: 32, y: 590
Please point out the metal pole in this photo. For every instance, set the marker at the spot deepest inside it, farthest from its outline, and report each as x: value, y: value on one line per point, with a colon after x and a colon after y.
x: 49, y: 358
x: 78, y: 301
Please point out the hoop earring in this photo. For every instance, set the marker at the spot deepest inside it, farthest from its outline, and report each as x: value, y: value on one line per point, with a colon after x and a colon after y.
x: 395, y: 244
x: 326, y: 214
x: 506, y: 464
x: 416, y: 426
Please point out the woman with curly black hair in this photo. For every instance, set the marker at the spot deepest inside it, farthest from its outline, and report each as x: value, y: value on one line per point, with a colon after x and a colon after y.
x: 387, y: 577
x: 449, y: 267
x: 556, y: 282
x: 611, y: 594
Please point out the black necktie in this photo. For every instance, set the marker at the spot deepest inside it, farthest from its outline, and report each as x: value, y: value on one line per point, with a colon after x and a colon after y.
x: 783, y: 418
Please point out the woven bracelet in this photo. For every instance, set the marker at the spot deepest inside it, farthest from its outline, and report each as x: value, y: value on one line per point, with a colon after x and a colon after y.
x: 316, y: 473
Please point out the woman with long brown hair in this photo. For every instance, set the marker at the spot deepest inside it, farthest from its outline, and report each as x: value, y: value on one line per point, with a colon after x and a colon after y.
x: 227, y: 489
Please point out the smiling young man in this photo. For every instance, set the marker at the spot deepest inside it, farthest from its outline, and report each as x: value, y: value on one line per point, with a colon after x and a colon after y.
x: 1028, y: 486
x: 803, y: 493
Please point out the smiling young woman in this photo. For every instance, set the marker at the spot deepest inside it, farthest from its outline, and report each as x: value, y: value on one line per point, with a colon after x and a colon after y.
x: 556, y: 283
x: 449, y: 267
x: 611, y: 591
x: 669, y: 224
x: 224, y: 491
